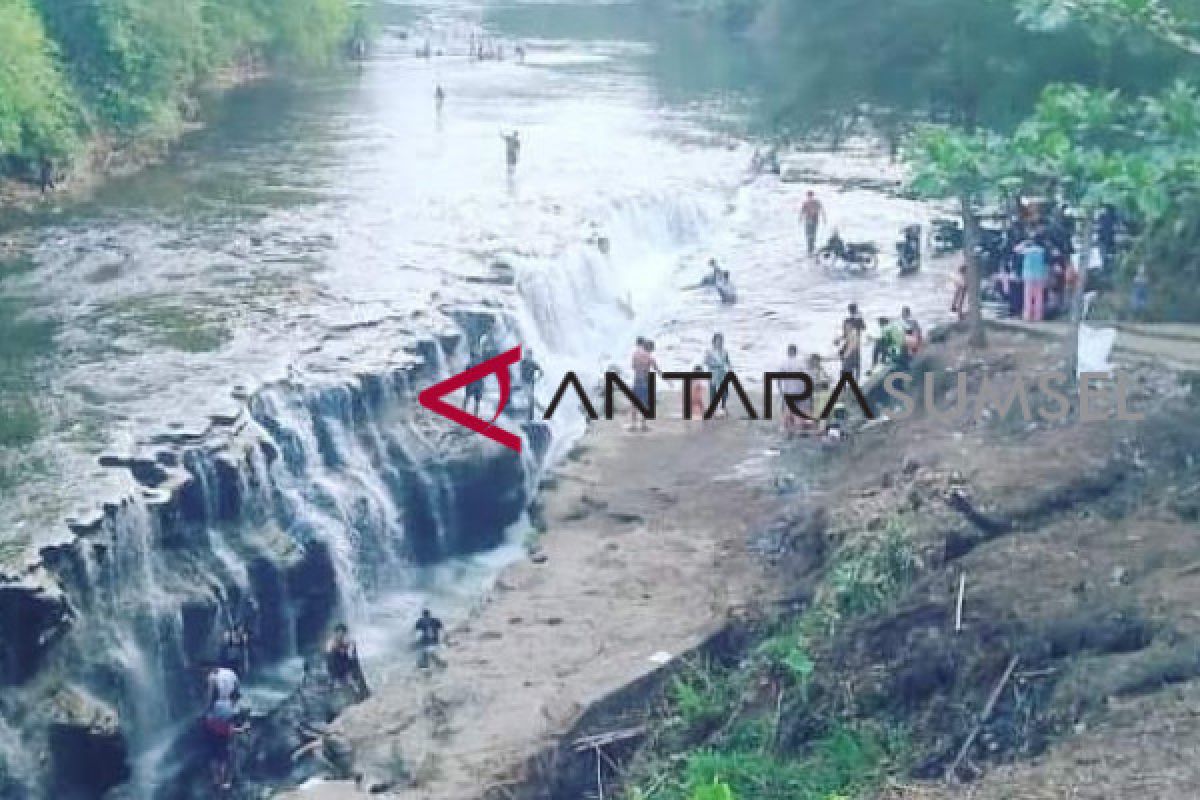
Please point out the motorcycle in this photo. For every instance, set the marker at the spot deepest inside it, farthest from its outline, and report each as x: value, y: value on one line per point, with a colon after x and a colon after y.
x: 908, y: 251
x: 858, y: 255
x: 947, y: 236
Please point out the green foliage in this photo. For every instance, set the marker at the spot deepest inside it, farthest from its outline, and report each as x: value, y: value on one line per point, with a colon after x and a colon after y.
x: 787, y: 654
x: 37, y: 116
x: 717, y: 790
x: 127, y: 65
x: 845, y: 762
x: 309, y: 31
x: 948, y: 162
x: 866, y: 576
x: 702, y: 697
x: 1113, y: 18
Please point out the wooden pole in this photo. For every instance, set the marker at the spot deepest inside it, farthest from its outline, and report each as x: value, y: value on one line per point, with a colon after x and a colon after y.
x: 983, y: 718
x: 958, y: 610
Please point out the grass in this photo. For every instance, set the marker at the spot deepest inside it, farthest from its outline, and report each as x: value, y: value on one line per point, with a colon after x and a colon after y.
x: 866, y: 575
x: 735, y: 751
x: 702, y: 697
x: 846, y: 762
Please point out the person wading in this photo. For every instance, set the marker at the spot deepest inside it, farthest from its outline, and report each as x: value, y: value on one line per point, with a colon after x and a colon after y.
x: 531, y: 372
x: 342, y: 663
x: 512, y: 150
x: 794, y: 387
x: 811, y: 214
x: 220, y: 724
x: 429, y: 639
x: 717, y: 362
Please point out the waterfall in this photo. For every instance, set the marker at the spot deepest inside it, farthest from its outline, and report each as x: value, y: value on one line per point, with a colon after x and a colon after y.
x: 328, y: 498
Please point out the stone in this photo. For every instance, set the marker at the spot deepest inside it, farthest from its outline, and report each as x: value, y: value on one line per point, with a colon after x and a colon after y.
x: 86, y: 744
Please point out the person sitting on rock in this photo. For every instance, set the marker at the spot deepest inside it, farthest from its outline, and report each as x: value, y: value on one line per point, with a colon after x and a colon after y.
x: 342, y: 662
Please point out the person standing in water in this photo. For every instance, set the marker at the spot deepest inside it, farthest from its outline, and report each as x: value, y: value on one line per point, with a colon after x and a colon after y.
x: 439, y: 98
x: 342, y: 663
x: 429, y: 639
x: 849, y: 346
x: 811, y: 213
x: 512, y: 150
x: 220, y: 724
x: 531, y: 372
x: 716, y: 361
x: 643, y: 363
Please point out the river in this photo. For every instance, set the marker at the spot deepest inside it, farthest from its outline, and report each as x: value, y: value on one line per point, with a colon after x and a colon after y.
x: 321, y: 227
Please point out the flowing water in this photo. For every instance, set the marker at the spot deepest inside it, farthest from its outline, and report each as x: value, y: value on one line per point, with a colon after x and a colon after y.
x: 316, y: 237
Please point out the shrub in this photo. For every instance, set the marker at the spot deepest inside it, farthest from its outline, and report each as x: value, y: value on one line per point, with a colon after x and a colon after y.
x: 37, y: 116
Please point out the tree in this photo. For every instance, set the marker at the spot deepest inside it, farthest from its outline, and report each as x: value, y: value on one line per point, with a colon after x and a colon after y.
x: 950, y: 163
x: 1097, y: 148
x: 1120, y: 16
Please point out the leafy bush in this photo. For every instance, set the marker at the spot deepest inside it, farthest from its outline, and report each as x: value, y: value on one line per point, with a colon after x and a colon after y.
x: 702, y: 697
x: 37, y: 117
x: 126, y: 65
x: 842, y: 763
x: 787, y: 654
x: 867, y: 574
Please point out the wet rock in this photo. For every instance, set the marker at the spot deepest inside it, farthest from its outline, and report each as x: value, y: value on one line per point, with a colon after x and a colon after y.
x: 33, y: 615
x: 86, y: 745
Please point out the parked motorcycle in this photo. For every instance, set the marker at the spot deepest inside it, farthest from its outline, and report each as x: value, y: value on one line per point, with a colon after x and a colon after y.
x: 947, y: 236
x: 857, y: 255
x: 908, y: 251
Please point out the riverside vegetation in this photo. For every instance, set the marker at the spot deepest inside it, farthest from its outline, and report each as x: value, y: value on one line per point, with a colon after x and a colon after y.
x: 76, y: 72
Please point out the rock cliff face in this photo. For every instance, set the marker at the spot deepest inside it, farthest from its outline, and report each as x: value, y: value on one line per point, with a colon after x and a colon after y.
x: 300, y: 505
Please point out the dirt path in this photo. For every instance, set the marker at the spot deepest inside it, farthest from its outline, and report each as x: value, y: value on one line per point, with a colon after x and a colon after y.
x: 1174, y: 345
x: 645, y: 553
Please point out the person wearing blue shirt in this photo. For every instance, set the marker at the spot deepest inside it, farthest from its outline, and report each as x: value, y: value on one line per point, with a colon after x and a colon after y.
x: 1034, y: 273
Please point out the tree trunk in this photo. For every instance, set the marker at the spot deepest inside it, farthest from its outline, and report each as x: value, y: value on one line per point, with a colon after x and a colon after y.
x: 1075, y: 307
x: 977, y: 336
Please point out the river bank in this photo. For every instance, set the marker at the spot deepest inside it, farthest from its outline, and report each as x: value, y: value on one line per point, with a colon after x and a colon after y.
x: 106, y: 156
x: 659, y: 542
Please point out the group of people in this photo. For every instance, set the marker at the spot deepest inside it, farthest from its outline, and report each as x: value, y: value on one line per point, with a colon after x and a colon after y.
x: 1032, y: 264
x: 529, y: 372
x: 224, y: 716
x: 719, y: 280
x: 895, y: 342
x: 486, y: 48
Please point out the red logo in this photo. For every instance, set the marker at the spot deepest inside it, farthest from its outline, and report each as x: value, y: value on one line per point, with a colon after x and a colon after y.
x: 431, y: 398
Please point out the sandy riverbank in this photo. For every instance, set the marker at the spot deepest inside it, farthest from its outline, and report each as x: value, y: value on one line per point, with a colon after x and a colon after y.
x: 645, y: 553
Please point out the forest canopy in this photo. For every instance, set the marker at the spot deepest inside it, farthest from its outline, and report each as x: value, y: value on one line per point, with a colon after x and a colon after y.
x: 73, y: 69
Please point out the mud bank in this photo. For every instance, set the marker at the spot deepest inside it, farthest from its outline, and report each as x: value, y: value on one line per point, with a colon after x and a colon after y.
x: 1071, y: 550
x: 1073, y: 544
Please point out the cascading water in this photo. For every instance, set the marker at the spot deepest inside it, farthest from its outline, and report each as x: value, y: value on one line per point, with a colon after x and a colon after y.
x: 324, y: 499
